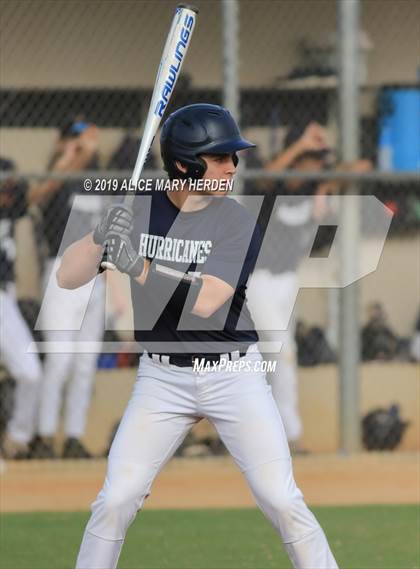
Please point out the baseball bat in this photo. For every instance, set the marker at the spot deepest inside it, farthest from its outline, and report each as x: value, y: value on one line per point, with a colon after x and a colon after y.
x: 176, y: 47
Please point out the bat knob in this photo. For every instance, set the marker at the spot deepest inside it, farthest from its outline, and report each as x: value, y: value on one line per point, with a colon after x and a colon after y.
x: 106, y: 265
x: 188, y: 7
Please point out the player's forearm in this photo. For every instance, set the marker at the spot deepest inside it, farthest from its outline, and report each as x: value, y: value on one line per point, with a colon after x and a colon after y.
x: 39, y: 193
x: 213, y: 294
x: 79, y: 264
x: 358, y: 166
x: 285, y: 159
x: 201, y: 296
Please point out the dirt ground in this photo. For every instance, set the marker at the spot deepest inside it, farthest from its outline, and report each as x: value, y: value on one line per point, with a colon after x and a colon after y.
x: 214, y: 482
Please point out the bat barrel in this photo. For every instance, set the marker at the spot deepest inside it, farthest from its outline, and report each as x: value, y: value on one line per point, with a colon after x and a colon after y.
x: 174, y: 52
x: 173, y: 56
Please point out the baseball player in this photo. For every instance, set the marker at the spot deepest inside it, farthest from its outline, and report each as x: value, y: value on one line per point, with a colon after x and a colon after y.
x: 290, y: 216
x: 289, y: 211
x: 24, y: 366
x: 189, y: 255
x: 76, y: 150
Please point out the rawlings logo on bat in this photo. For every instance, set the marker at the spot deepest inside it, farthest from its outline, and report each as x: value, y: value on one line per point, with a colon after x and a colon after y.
x: 175, y: 67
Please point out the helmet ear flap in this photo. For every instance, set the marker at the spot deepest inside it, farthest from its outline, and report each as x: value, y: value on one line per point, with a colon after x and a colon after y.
x: 201, y: 167
x: 196, y: 168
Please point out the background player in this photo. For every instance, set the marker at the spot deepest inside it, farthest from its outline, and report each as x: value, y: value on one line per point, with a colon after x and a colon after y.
x: 23, y: 366
x: 215, y: 238
x: 293, y: 208
x: 75, y: 151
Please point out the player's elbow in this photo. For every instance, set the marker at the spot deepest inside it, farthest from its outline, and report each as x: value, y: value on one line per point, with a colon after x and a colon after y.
x: 213, y: 295
x: 63, y: 281
x: 204, y: 309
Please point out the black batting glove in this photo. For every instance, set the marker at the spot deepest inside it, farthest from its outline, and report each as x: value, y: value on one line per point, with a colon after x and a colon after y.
x: 120, y: 252
x: 116, y: 218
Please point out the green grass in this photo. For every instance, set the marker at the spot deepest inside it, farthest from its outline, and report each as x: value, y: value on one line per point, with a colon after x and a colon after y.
x: 380, y: 537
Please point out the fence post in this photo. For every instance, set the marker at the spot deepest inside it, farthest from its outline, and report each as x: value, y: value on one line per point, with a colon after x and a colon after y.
x: 230, y: 49
x: 349, y: 333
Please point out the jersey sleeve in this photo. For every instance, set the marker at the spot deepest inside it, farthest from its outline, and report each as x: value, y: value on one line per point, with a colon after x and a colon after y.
x: 235, y: 252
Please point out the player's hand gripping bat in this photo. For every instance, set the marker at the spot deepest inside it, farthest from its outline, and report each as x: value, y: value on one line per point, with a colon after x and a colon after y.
x: 174, y: 52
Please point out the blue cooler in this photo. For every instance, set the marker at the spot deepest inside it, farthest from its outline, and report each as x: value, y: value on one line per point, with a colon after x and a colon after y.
x: 107, y: 361
x: 399, y: 132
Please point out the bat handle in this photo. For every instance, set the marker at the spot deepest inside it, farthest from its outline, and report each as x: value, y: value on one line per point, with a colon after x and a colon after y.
x: 106, y: 265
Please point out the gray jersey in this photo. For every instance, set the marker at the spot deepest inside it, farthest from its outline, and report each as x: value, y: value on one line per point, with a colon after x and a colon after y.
x: 289, y: 227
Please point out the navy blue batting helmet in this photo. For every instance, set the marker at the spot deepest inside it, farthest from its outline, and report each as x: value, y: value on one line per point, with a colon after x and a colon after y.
x: 194, y: 130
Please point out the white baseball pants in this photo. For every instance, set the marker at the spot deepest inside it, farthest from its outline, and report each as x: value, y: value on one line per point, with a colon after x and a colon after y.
x: 271, y: 299
x: 23, y: 366
x: 78, y: 369
x: 166, y: 401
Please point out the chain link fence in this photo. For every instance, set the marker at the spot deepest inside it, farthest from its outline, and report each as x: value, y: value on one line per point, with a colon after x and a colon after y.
x: 76, y: 81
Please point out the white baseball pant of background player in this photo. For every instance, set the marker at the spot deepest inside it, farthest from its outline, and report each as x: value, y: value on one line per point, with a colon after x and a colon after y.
x: 271, y: 299
x: 22, y: 365
x: 166, y: 402
x: 77, y: 368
